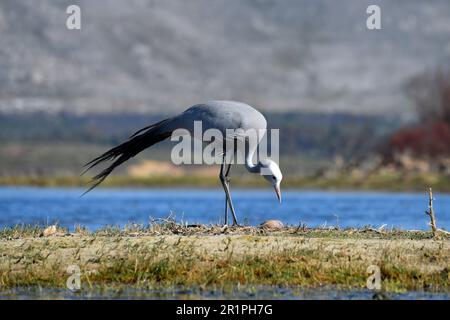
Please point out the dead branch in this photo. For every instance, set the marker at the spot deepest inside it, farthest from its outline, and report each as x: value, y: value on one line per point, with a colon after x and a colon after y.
x: 430, y: 213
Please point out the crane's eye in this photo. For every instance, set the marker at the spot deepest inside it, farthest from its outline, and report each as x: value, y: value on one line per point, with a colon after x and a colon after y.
x: 273, y: 177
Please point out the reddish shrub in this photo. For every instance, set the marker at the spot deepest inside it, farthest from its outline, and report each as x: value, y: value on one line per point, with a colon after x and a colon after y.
x: 430, y: 139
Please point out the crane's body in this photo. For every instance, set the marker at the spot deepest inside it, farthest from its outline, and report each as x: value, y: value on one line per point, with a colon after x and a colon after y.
x: 224, y: 116
x: 220, y: 115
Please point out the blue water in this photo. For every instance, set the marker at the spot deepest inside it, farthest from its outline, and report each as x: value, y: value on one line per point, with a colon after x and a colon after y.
x: 249, y: 293
x: 101, y: 207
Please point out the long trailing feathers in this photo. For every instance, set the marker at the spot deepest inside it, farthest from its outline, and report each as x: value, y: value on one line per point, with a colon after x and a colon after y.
x: 158, y: 124
x: 139, y: 141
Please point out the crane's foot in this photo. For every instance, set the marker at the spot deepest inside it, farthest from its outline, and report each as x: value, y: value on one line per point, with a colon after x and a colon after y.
x: 225, y: 226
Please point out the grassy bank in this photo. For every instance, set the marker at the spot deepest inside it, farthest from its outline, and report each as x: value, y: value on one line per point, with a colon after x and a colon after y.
x: 380, y: 181
x: 172, y: 255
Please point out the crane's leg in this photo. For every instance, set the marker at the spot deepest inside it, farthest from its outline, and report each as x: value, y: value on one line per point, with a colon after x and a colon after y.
x: 226, y: 188
x: 223, y: 180
x: 226, y: 211
x: 227, y: 180
x: 226, y: 197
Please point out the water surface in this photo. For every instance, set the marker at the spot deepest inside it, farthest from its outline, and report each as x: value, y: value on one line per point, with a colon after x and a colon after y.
x: 258, y: 292
x: 101, y: 207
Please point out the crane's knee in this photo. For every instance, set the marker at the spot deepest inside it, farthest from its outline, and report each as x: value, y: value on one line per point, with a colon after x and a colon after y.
x: 224, y: 179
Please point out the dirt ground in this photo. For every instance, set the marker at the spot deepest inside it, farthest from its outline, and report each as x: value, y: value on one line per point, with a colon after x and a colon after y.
x: 200, y: 255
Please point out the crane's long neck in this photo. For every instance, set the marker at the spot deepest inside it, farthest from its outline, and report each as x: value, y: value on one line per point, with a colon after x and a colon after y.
x: 249, y: 165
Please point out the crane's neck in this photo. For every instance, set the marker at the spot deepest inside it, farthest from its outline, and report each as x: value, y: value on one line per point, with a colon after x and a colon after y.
x: 249, y: 165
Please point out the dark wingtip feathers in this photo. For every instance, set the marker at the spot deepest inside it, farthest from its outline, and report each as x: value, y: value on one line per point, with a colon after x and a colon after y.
x: 139, y: 141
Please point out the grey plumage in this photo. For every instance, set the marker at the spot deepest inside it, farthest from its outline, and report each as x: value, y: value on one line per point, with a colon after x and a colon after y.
x: 220, y: 115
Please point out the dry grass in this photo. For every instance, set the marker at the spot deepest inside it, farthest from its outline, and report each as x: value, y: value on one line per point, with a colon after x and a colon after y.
x: 167, y: 254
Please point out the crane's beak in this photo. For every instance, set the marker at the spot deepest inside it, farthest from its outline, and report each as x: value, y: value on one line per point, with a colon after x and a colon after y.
x: 278, y: 192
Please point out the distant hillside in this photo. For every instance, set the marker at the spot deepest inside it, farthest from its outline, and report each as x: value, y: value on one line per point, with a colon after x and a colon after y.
x: 136, y: 55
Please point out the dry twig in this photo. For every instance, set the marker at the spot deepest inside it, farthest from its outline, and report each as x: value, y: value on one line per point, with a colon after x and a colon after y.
x: 430, y: 213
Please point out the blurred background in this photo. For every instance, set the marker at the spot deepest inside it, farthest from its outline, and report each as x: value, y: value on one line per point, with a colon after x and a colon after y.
x: 355, y: 107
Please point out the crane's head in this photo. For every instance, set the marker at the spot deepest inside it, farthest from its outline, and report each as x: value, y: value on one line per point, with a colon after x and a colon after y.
x: 272, y: 173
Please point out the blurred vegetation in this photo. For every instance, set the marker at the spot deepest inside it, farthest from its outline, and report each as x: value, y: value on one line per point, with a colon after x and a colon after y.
x: 430, y: 92
x: 429, y: 137
x: 44, y: 144
x: 393, y: 181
